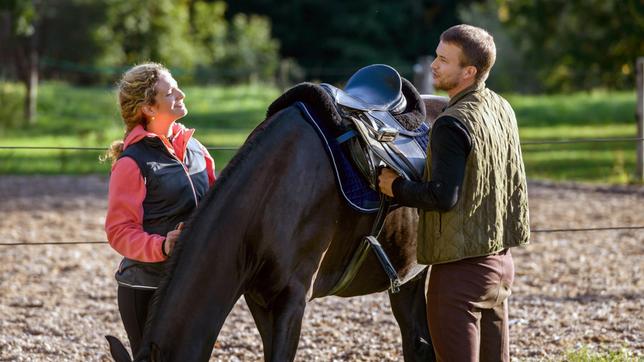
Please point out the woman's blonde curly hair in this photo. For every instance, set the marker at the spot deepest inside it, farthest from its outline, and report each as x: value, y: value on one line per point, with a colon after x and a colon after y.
x: 136, y: 89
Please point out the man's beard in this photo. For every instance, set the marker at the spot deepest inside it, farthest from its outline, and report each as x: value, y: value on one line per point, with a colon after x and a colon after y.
x: 445, y: 84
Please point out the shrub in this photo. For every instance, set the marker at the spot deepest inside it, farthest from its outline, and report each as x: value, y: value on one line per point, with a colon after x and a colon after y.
x: 12, y: 96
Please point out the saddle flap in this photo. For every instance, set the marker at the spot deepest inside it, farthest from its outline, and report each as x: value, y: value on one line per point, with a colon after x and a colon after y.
x: 402, y: 153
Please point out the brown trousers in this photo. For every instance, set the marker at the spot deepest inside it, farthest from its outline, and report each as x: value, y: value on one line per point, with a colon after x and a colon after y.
x: 467, y: 308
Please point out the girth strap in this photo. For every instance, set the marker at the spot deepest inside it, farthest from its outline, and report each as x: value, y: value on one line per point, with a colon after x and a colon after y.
x: 394, y: 280
x: 371, y: 242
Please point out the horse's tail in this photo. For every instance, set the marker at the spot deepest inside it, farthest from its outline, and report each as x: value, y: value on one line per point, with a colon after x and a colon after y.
x: 118, y: 350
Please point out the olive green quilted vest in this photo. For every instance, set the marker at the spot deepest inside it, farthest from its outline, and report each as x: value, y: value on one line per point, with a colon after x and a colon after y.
x: 492, y: 210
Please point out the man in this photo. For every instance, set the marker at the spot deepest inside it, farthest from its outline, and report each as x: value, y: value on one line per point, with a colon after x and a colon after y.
x: 473, y: 201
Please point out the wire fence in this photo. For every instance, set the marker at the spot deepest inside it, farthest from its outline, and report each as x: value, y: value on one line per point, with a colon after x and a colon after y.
x: 54, y: 148
x: 234, y: 148
x: 582, y: 140
x: 616, y: 228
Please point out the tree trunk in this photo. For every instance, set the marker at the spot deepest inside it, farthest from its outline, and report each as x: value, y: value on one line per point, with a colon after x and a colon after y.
x: 31, y: 98
x: 5, y: 38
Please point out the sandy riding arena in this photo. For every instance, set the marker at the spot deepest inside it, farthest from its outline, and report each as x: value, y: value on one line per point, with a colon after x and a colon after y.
x: 572, y: 289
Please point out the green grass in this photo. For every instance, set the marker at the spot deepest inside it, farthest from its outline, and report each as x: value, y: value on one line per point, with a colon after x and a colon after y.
x: 581, y: 115
x: 223, y: 116
x: 88, y: 117
x: 585, y: 354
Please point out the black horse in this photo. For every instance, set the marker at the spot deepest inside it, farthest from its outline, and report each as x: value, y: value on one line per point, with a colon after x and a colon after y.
x: 276, y: 230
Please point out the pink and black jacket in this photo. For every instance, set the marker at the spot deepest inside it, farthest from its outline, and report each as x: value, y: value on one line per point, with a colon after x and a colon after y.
x: 154, y: 185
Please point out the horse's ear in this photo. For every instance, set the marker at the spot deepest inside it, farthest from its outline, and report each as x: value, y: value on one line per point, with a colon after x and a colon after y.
x: 117, y: 349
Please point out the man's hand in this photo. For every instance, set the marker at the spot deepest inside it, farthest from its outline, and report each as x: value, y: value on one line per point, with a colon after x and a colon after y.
x: 386, y: 179
x: 171, y: 239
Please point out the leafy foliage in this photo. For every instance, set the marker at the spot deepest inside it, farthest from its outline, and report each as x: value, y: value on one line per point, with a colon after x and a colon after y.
x: 112, y: 35
x: 332, y: 38
x: 556, y: 45
x: 151, y: 29
x: 11, y: 97
x: 579, y: 44
x: 510, y: 72
x: 254, y: 55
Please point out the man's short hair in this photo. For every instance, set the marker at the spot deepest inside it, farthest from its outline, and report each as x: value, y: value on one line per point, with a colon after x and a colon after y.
x: 477, y: 46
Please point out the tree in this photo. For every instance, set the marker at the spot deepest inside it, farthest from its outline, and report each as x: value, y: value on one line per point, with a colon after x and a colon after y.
x: 36, y: 30
x: 70, y: 43
x: 578, y: 44
x: 92, y: 41
x: 511, y: 72
x: 156, y: 30
x: 333, y: 38
x: 21, y: 41
x: 251, y: 53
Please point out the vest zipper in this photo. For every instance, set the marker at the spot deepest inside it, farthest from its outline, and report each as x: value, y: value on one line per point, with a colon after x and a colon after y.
x: 440, y: 223
x: 192, y: 186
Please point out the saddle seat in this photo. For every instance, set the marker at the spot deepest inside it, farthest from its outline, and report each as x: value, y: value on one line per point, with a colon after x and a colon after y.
x: 376, y: 87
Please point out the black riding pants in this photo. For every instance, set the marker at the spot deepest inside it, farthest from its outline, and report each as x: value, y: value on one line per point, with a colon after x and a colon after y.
x: 133, y: 306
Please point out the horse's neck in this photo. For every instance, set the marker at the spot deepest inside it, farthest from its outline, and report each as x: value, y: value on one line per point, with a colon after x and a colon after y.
x: 280, y: 176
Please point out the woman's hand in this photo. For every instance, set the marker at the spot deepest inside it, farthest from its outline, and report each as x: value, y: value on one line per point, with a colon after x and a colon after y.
x: 171, y: 239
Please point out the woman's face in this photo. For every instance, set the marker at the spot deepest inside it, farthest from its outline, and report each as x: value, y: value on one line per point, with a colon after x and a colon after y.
x: 168, y: 106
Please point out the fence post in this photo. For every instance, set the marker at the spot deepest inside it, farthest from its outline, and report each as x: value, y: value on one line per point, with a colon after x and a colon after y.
x: 640, y: 119
x: 423, y: 80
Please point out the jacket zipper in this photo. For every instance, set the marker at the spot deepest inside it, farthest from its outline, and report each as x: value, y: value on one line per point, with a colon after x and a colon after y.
x: 440, y: 223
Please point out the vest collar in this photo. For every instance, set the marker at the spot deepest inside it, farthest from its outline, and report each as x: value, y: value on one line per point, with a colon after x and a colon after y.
x: 476, y: 87
x: 177, y: 146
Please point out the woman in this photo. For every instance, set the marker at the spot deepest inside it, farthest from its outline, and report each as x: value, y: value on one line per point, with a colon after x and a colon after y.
x: 159, y: 174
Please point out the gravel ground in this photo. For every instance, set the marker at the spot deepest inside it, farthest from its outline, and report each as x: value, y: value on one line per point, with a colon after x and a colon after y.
x: 571, y: 289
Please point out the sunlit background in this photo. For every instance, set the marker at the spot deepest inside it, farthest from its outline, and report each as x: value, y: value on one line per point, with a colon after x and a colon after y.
x: 569, y: 69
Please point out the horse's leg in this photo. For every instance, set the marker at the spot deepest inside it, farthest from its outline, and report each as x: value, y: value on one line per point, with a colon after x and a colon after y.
x: 264, y: 322
x: 409, y: 308
x: 280, y: 323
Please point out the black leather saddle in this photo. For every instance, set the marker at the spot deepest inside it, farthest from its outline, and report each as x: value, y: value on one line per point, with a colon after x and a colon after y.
x: 368, y: 104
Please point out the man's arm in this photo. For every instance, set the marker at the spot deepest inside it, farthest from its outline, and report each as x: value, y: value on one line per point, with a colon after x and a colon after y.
x: 450, y: 146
